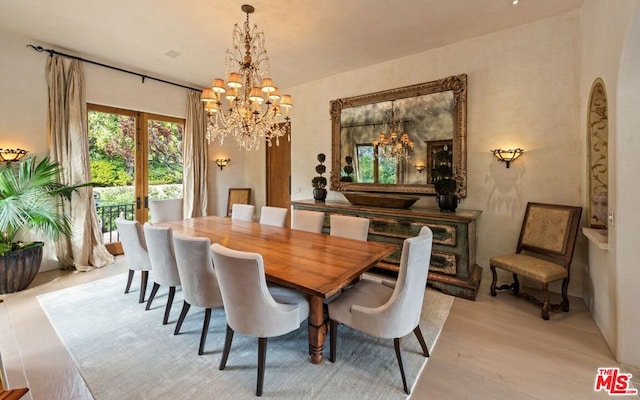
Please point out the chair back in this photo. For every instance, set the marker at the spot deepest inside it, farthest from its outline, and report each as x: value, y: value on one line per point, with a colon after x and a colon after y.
x: 249, y: 307
x: 163, y: 259
x: 165, y: 210
x: 349, y: 227
x: 243, y: 212
x: 275, y: 216
x: 195, y: 267
x: 550, y: 230
x: 307, y: 220
x: 401, y: 313
x: 135, y: 248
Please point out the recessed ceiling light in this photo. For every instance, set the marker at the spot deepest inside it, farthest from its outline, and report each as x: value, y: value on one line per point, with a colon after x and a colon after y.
x: 172, y: 54
x: 514, y: 2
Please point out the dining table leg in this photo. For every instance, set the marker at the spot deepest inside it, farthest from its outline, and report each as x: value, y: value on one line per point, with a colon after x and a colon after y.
x: 317, y: 329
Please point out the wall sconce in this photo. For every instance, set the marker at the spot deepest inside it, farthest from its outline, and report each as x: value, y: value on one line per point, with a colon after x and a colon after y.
x: 222, y: 162
x: 419, y: 168
x: 11, y: 155
x: 507, y: 155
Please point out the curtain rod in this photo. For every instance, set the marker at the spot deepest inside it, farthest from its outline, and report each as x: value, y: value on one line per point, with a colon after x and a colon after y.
x: 51, y: 52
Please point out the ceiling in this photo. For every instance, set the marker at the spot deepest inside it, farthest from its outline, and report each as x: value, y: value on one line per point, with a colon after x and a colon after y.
x: 185, y: 40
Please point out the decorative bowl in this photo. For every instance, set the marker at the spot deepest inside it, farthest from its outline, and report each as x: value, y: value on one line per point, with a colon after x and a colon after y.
x: 380, y: 199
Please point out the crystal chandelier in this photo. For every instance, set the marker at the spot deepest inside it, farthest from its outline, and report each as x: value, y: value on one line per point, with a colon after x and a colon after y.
x: 391, y: 146
x: 254, y: 106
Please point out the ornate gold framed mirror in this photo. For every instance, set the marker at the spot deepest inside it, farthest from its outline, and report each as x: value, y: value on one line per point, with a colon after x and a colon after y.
x: 388, y: 135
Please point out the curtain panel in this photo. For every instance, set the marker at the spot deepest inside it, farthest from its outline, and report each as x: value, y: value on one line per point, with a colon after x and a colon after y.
x: 69, y: 145
x: 195, y: 158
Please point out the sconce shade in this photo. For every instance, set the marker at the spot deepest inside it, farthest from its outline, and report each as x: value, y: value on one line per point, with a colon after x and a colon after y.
x: 222, y: 162
x: 420, y: 168
x: 507, y: 155
x: 11, y: 155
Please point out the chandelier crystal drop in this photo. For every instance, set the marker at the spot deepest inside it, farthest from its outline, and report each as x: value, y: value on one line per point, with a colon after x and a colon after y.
x: 392, y: 145
x: 255, y: 110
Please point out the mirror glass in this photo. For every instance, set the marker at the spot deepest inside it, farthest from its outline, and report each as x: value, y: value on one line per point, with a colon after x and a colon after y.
x: 433, y: 116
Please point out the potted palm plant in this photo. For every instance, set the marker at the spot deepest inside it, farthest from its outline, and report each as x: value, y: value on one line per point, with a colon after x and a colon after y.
x: 30, y: 196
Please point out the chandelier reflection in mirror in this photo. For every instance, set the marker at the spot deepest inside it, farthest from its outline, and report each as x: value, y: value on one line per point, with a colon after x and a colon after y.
x: 255, y: 108
x: 390, y: 145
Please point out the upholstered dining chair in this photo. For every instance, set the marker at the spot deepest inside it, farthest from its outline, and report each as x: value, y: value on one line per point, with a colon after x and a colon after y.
x: 307, y: 220
x: 243, y: 212
x: 379, y: 310
x: 163, y: 262
x: 349, y: 227
x: 165, y: 210
x: 275, y: 216
x: 252, y: 308
x: 135, y: 253
x: 543, y: 254
x: 198, y: 280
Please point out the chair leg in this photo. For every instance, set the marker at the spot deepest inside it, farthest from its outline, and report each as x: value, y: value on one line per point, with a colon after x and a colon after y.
x: 154, y: 290
x: 262, y: 356
x: 183, y: 314
x: 227, y: 348
x: 333, y: 337
x: 423, y: 344
x: 143, y: 285
x: 516, y: 284
x: 565, y: 299
x: 167, y: 309
x: 547, y: 303
x: 396, y: 344
x: 129, y: 280
x: 493, y: 280
x: 205, y: 330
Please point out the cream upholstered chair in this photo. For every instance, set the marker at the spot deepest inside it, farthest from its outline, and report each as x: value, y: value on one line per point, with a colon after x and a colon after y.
x: 251, y: 307
x: 163, y: 262
x: 135, y: 252
x: 349, y: 227
x: 198, y: 280
x: 165, y: 210
x: 544, y: 253
x: 275, y: 216
x: 243, y: 212
x: 307, y: 220
x: 379, y: 310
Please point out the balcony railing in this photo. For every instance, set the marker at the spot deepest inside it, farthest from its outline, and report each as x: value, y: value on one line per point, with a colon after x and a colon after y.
x: 107, y: 218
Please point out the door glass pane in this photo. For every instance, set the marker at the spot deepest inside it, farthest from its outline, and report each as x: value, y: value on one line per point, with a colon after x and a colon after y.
x: 165, y: 159
x: 112, y: 163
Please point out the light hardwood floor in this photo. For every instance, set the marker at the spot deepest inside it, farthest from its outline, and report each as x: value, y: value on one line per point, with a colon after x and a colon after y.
x: 492, y: 348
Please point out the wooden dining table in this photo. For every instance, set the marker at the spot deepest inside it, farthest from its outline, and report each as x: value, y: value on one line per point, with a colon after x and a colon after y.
x: 318, y: 265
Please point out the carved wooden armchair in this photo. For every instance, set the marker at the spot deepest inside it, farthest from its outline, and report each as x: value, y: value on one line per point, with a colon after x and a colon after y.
x: 544, y: 253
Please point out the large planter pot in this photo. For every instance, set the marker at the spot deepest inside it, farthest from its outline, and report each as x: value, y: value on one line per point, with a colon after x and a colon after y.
x: 447, y: 202
x: 319, y: 194
x: 19, y: 268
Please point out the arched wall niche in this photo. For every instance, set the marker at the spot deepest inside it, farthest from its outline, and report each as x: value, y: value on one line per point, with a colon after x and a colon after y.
x: 598, y: 157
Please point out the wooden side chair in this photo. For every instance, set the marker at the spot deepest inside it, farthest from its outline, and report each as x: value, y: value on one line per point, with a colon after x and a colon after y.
x: 544, y: 253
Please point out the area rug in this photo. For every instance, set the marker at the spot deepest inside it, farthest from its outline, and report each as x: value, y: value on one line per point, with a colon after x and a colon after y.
x: 124, y: 352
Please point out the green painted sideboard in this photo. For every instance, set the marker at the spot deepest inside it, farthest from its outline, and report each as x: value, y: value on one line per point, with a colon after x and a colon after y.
x: 453, y: 268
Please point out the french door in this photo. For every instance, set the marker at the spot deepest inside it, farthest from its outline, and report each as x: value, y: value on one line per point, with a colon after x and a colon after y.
x: 134, y: 157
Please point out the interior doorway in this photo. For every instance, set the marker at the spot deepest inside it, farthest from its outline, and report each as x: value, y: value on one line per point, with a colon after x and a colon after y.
x: 278, y: 167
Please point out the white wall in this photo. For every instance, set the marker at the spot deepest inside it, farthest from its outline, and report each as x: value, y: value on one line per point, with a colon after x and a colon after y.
x: 523, y: 91
x: 627, y: 223
x: 603, y: 29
